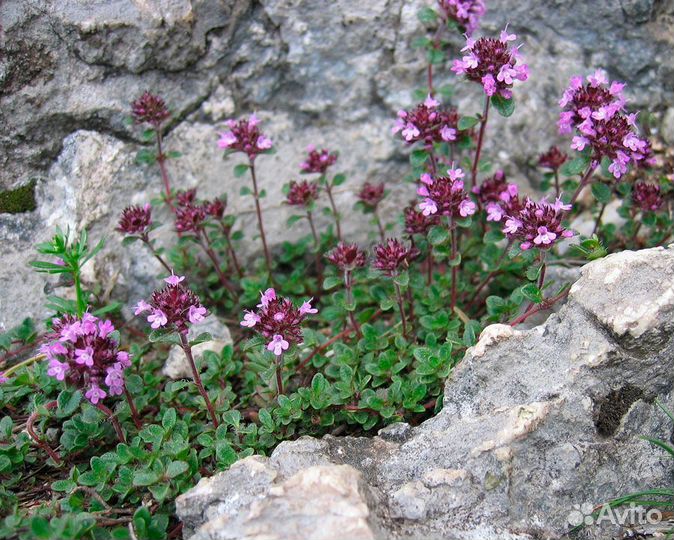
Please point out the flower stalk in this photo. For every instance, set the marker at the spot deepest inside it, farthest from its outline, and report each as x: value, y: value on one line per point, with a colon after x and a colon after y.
x: 187, y: 348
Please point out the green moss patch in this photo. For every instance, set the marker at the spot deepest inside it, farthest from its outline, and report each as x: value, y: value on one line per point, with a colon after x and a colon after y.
x: 19, y: 200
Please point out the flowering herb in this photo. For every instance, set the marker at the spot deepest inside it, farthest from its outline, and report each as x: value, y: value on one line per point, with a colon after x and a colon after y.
x: 279, y: 322
x: 318, y: 162
x: 427, y: 123
x: 466, y: 13
x: 245, y: 136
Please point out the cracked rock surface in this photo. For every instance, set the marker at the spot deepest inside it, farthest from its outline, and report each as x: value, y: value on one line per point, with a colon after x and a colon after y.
x: 330, y: 73
x: 535, y: 424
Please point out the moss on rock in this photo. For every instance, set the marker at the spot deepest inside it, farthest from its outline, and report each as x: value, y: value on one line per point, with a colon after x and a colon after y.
x: 19, y: 200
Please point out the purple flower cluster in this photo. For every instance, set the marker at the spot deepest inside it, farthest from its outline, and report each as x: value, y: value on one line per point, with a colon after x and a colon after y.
x: 84, y: 353
x: 467, y: 13
x: 553, y: 159
x: 427, y: 123
x: 493, y: 64
x: 347, y: 257
x: 191, y: 215
x: 596, y: 109
x: 498, y: 197
x: 371, y: 194
x: 538, y: 224
x: 445, y: 195
x: 302, y: 193
x: 318, y: 161
x: 245, y: 136
x: 174, y: 307
x: 135, y: 220
x: 647, y: 197
x: 392, y: 256
x: 278, y: 321
x: 418, y: 223
x: 150, y: 109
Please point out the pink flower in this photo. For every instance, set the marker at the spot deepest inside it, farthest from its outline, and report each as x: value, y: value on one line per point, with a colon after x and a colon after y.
x: 467, y: 208
x: 426, y: 179
x: 70, y: 332
x: 266, y: 297
x: 264, y: 143
x: 3, y: 379
x: 114, y: 379
x: 306, y: 308
x: 512, y: 225
x: 105, y: 329
x: 455, y: 173
x: 431, y: 102
x: 410, y: 131
x: 544, y: 236
x: 277, y: 345
x: 505, y: 37
x: 196, y: 314
x: 559, y: 205
x: 157, y: 319
x: 141, y: 307
x: 227, y: 139
x: 85, y: 356
x: 494, y: 212
x: 173, y: 280
x: 578, y: 143
x: 124, y: 358
x: 250, y: 319
x: 448, y: 134
x: 57, y: 369
x: 95, y: 394
x: 489, y: 84
x: 428, y: 207
x: 598, y: 78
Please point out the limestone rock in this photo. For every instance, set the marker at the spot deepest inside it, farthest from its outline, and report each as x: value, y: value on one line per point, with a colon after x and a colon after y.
x: 177, y: 366
x: 535, y: 424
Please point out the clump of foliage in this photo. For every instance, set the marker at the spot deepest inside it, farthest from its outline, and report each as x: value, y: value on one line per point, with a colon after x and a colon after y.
x: 329, y: 336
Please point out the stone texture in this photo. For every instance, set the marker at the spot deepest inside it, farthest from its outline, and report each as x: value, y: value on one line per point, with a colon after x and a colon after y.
x: 177, y: 366
x: 332, y: 73
x: 535, y: 424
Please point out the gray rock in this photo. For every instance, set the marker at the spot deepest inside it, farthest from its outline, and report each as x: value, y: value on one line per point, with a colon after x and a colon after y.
x: 70, y: 69
x: 536, y: 425
x: 177, y: 366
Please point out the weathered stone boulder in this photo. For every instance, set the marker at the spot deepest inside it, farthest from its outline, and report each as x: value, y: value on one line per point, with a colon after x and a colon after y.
x: 536, y: 425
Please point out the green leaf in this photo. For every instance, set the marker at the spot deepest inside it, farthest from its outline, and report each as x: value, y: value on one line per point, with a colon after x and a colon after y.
x: 467, y: 122
x: 176, y: 468
x: 505, y: 107
x: 39, y: 526
x: 418, y: 158
x: 169, y: 419
x: 338, y: 180
x: 63, y: 485
x: 533, y: 293
x: 575, y: 166
x: 427, y: 16
x: 201, y: 338
x: 68, y: 401
x: 438, y: 235
x: 145, y: 478
x: 331, y: 282
x: 164, y: 336
x: 294, y: 219
x: 245, y: 190
x: 240, y: 170
x: 601, y: 192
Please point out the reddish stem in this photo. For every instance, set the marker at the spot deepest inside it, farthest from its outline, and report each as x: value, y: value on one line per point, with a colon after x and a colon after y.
x: 317, y: 245
x: 279, y: 375
x: 161, y: 160
x: 230, y: 250
x: 348, y: 285
x: 146, y: 240
x: 584, y: 181
x: 480, y: 140
x: 328, y: 189
x: 401, y: 307
x: 545, y: 304
x: 113, y: 420
x: 197, y: 379
x: 455, y: 267
x: 30, y: 423
x: 258, y: 211
x: 134, y: 411
x: 382, y: 233
x: 205, y: 243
